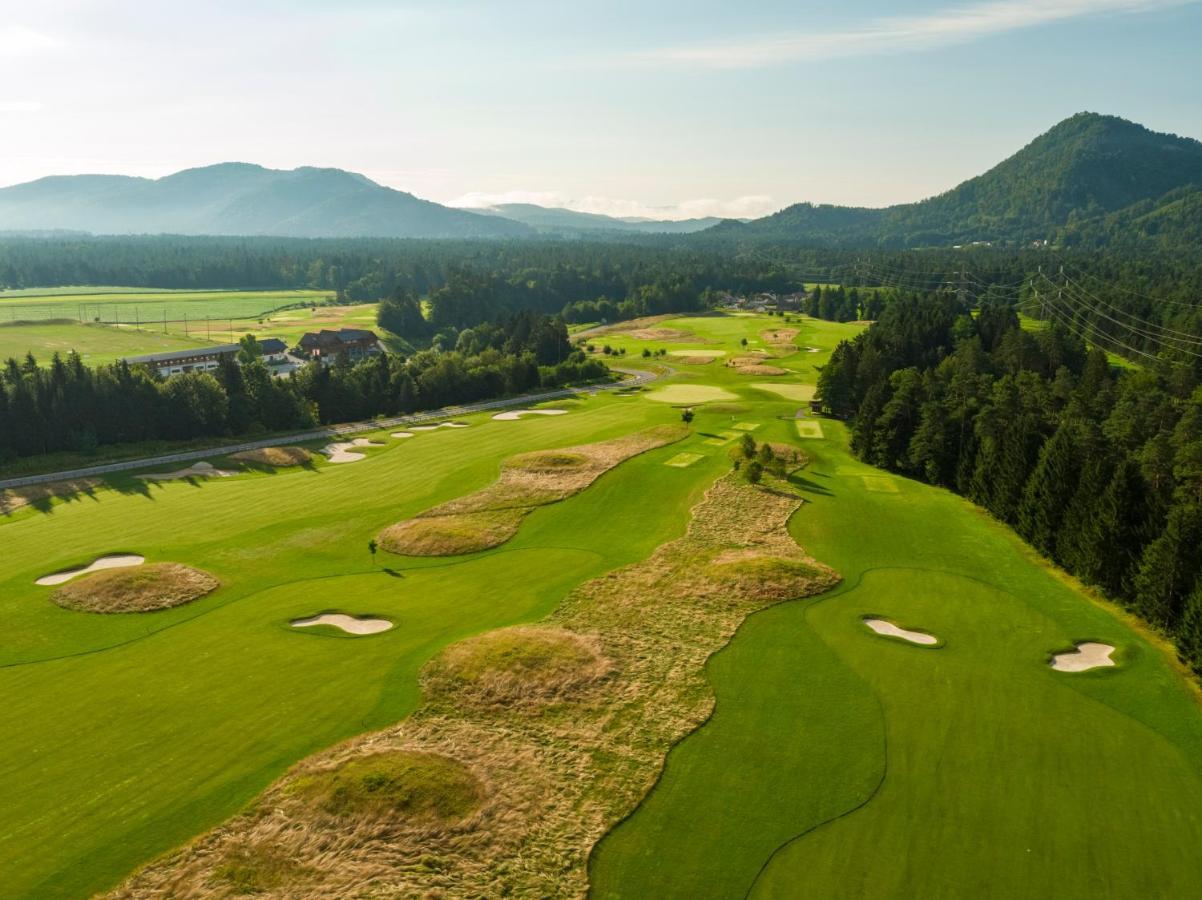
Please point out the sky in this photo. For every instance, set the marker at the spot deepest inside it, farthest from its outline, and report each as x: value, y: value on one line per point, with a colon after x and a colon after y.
x: 664, y: 108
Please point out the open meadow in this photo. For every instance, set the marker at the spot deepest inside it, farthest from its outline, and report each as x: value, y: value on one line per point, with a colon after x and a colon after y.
x: 105, y: 324
x: 837, y: 762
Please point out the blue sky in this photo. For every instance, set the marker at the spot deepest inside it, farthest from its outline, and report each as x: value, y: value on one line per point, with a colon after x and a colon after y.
x: 672, y: 108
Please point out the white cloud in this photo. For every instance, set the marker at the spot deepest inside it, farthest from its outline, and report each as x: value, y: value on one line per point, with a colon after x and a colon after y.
x: 747, y: 207
x: 16, y: 40
x: 20, y: 106
x: 891, y: 34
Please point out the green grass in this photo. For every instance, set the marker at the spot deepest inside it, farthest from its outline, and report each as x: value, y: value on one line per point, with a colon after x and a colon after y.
x: 838, y: 764
x: 111, y: 323
x: 124, y: 736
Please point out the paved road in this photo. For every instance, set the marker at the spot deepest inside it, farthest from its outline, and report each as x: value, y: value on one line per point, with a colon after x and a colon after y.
x: 634, y: 377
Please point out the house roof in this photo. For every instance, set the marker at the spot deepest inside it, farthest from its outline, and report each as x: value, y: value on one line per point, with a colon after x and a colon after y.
x: 327, y: 339
x: 269, y: 345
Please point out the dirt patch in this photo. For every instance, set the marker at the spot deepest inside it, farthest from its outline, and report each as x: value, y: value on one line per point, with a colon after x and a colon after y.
x: 12, y: 499
x: 349, y: 624
x: 142, y: 589
x: 115, y: 561
x: 762, y: 370
x: 780, y: 336
x: 196, y: 470
x: 1087, y: 655
x: 888, y: 629
x: 276, y: 457
x: 491, y: 516
x: 564, y: 772
x: 525, y: 666
x: 694, y: 360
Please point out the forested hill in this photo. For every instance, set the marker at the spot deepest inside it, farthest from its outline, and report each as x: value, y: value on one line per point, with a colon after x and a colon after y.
x: 1086, y: 168
x: 240, y: 199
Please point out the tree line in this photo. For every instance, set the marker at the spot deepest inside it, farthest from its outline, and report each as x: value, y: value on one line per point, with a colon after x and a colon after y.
x: 1098, y: 468
x: 69, y: 406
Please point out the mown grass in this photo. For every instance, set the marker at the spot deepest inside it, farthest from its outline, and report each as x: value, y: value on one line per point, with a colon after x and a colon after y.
x: 837, y: 764
x: 205, y: 704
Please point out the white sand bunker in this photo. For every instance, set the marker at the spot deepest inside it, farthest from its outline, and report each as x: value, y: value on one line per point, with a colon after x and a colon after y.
x: 402, y: 434
x: 515, y: 414
x: 196, y: 470
x: 887, y: 628
x: 116, y: 561
x: 349, y: 624
x: 440, y: 425
x: 341, y: 452
x: 1087, y: 655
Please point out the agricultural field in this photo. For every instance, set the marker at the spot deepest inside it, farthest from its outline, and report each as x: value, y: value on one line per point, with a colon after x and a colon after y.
x: 105, y: 324
x: 837, y: 762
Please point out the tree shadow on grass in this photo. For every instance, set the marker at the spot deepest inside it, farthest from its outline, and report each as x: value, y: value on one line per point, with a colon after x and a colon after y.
x: 805, y: 484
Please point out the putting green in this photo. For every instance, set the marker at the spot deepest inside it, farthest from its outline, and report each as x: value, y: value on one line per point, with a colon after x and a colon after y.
x: 682, y: 394
x: 800, y: 392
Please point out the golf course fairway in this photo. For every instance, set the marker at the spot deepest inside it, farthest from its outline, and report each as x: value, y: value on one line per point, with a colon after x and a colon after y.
x: 837, y: 762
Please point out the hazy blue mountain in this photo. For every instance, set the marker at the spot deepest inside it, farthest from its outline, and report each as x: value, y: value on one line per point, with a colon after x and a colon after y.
x: 556, y: 220
x: 1087, y: 166
x: 241, y: 199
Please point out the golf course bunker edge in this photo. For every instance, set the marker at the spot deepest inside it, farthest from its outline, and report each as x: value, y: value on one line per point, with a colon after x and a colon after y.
x: 888, y: 629
x: 1085, y: 656
x: 350, y: 624
x: 113, y: 561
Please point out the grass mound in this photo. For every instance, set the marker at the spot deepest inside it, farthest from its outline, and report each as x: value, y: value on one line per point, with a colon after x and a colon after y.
x: 398, y: 783
x: 450, y: 535
x: 515, y: 666
x: 775, y: 575
x: 276, y: 457
x: 258, y: 868
x: 142, y: 589
x: 491, y: 516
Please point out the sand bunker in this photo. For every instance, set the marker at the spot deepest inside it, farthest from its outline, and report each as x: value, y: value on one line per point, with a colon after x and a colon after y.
x: 491, y: 516
x: 802, y: 392
x: 349, y: 624
x: 196, y: 470
x: 515, y: 414
x: 684, y: 394
x: 142, y: 589
x: 402, y: 434
x: 439, y: 425
x: 887, y: 628
x: 116, y: 561
x: 1087, y: 655
x: 278, y: 457
x: 712, y: 354
x: 341, y: 452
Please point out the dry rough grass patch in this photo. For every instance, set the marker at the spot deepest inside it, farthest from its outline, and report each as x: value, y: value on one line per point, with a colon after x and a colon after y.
x: 491, y: 516
x: 13, y: 499
x: 277, y: 457
x: 558, y: 776
x: 142, y: 589
x: 780, y: 337
x: 525, y: 666
x: 762, y: 370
